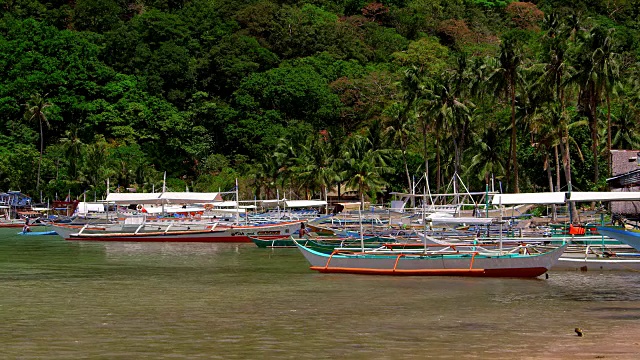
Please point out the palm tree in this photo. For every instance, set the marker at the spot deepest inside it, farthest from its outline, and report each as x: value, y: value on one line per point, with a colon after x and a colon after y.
x: 450, y: 106
x: 96, y: 167
x: 596, y: 73
x: 552, y: 72
x: 363, y: 166
x: 412, y: 89
x: 73, y: 147
x: 557, y: 126
x: 315, y: 165
x: 627, y: 128
x: 36, y: 111
x: 506, y: 79
x: 487, y: 158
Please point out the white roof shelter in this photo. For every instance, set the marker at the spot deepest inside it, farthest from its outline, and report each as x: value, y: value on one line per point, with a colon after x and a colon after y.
x: 190, y: 197
x: 134, y: 198
x: 604, y: 196
x: 529, y: 198
x: 163, y: 198
x: 304, y: 203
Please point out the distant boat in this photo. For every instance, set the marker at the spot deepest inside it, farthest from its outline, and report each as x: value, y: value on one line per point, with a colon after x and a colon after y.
x: 15, y: 223
x: 274, y: 242
x: 629, y: 237
x: 481, y: 263
x: 37, y: 233
x: 213, y: 233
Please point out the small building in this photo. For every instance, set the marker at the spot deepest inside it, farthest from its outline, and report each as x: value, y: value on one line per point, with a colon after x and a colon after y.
x: 625, y: 176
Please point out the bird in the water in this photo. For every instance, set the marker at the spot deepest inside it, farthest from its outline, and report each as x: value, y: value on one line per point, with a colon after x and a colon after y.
x: 579, y: 332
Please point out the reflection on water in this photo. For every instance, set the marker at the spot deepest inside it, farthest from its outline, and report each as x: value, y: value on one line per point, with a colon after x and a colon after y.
x: 64, y: 300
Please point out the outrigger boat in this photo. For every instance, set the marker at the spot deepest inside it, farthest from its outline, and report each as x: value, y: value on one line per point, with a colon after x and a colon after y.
x: 327, y: 243
x: 517, y: 262
x: 211, y: 233
x: 629, y: 237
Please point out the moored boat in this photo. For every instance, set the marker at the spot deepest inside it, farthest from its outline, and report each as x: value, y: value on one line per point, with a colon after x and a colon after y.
x: 37, y: 233
x: 480, y: 263
x: 284, y: 241
x: 629, y: 237
x: 211, y: 233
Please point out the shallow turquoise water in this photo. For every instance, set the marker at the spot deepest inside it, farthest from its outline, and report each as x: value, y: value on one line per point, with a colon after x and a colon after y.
x: 72, y: 300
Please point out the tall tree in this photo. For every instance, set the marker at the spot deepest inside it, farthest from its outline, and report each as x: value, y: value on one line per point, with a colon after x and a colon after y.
x: 506, y: 78
x: 363, y: 166
x: 37, y: 111
x: 596, y: 72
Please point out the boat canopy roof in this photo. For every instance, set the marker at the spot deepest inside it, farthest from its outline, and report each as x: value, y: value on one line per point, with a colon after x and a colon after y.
x: 305, y: 203
x: 529, y: 198
x: 353, y: 205
x: 164, y: 198
x: 564, y: 197
x: 460, y: 220
x: 604, y: 196
x: 287, y: 203
x: 473, y: 193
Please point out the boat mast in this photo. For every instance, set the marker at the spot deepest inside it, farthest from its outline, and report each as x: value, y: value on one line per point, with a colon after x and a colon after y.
x: 164, y: 188
x: 500, y: 236
x: 237, y: 200
x: 360, y: 218
x: 424, y: 218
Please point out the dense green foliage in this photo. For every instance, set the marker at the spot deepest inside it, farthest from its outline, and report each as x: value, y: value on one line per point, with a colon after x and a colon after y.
x: 307, y: 95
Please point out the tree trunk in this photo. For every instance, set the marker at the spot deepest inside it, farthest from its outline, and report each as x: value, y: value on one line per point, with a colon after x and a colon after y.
x: 558, y: 166
x: 594, y: 134
x: 550, y: 178
x: 438, y: 165
x: 514, y: 152
x: 566, y: 162
x: 608, y: 135
x: 426, y: 159
x: 404, y: 161
x: 41, y: 150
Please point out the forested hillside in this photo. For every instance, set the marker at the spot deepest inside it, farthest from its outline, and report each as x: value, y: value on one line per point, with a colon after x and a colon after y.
x: 304, y: 95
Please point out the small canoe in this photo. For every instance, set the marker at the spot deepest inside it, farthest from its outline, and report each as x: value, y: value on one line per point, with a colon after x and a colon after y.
x: 37, y: 233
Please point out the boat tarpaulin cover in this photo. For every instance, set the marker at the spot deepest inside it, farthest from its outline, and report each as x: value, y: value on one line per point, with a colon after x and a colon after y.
x: 134, y: 198
x: 604, y: 196
x: 190, y: 197
x: 163, y: 198
x: 305, y: 203
x: 529, y: 198
x: 461, y: 220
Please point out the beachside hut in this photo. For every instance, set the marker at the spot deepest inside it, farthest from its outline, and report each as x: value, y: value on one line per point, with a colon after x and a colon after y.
x: 625, y: 172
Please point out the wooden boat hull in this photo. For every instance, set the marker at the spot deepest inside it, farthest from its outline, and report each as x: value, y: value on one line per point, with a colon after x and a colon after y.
x: 11, y: 225
x: 239, y: 234
x: 274, y: 241
x: 566, y: 263
x: 481, y: 265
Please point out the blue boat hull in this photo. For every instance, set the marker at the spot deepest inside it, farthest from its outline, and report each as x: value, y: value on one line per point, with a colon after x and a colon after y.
x: 38, y: 233
x: 630, y: 238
